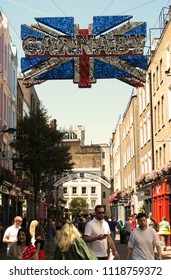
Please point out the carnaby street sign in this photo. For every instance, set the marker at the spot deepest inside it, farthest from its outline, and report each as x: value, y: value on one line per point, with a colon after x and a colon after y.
x: 111, y: 47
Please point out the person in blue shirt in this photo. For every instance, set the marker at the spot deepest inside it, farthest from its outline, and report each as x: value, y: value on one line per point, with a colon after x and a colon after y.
x: 112, y: 225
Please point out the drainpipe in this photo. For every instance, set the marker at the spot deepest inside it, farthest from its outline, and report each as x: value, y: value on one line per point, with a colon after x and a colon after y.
x: 152, y: 127
x: 152, y: 135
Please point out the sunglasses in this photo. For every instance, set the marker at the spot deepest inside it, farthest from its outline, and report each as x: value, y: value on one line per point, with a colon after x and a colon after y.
x: 19, y: 221
x: 101, y: 213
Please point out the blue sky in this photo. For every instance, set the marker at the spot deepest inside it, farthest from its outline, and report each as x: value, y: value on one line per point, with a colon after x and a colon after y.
x: 98, y: 107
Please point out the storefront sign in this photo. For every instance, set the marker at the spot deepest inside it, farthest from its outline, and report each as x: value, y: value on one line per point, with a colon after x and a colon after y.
x: 56, y: 48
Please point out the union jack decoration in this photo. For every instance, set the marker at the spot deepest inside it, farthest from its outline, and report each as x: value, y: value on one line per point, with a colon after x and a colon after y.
x: 111, y: 47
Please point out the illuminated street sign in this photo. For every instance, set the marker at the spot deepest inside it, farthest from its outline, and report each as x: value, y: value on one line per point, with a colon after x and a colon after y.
x: 55, y: 48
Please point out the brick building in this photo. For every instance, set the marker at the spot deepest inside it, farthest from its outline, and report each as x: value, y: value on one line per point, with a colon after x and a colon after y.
x: 90, y: 176
x: 147, y: 123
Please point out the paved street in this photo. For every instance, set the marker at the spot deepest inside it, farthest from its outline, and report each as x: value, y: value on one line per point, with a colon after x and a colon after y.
x: 120, y: 247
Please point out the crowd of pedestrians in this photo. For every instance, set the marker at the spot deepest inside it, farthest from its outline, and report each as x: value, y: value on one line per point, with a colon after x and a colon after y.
x: 27, y: 240
x: 87, y: 237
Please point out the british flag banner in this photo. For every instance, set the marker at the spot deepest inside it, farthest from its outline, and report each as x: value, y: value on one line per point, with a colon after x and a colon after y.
x: 111, y: 47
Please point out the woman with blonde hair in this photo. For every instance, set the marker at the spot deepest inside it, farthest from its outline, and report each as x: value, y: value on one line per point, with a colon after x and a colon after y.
x: 71, y: 246
x: 32, y: 229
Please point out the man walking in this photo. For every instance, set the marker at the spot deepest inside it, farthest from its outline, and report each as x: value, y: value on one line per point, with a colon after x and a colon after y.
x: 10, y: 235
x: 128, y: 228
x: 142, y: 241
x: 112, y: 225
x: 98, y: 237
x: 151, y: 222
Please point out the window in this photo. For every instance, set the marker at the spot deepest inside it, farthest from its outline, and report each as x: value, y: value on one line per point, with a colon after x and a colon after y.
x: 93, y: 189
x: 104, y: 194
x: 162, y: 110
x: 141, y: 134
x: 148, y: 126
x: 147, y: 91
x: 155, y: 119
x: 142, y: 166
x: 65, y: 190
x: 103, y: 154
x: 169, y: 102
x: 6, y: 58
x: 161, y: 70
x: 164, y: 154
x: 144, y: 131
x: 74, y: 190
x: 160, y: 156
x: 157, y: 159
x: 140, y: 102
x: 149, y: 161
x: 167, y: 59
x: 132, y: 148
x: 157, y: 77
x: 154, y: 79
x: 145, y: 164
x: 83, y: 190
x: 143, y: 98
x: 124, y: 158
x: 158, y: 115
x: 103, y: 167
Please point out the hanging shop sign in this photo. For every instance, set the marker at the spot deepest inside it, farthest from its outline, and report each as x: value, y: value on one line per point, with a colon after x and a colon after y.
x: 56, y: 48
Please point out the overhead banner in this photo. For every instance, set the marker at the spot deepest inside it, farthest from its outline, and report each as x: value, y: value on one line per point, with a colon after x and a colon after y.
x: 112, y: 47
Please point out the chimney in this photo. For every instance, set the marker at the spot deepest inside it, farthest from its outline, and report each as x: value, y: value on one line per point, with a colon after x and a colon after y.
x: 53, y: 124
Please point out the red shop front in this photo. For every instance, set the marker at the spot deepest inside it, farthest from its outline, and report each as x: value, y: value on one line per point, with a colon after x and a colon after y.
x: 161, y: 200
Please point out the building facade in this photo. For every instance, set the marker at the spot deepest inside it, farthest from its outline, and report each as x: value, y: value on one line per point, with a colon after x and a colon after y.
x: 90, y: 176
x: 148, y: 126
x: 8, y: 112
x: 160, y: 91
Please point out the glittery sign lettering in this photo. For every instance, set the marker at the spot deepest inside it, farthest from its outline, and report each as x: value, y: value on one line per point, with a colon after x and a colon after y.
x: 55, y: 48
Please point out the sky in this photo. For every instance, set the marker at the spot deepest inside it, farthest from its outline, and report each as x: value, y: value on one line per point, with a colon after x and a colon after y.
x: 97, y: 108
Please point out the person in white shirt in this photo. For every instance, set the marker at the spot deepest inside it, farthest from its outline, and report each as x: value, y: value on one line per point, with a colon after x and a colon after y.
x: 142, y: 241
x: 10, y: 235
x: 151, y: 222
x: 97, y: 235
